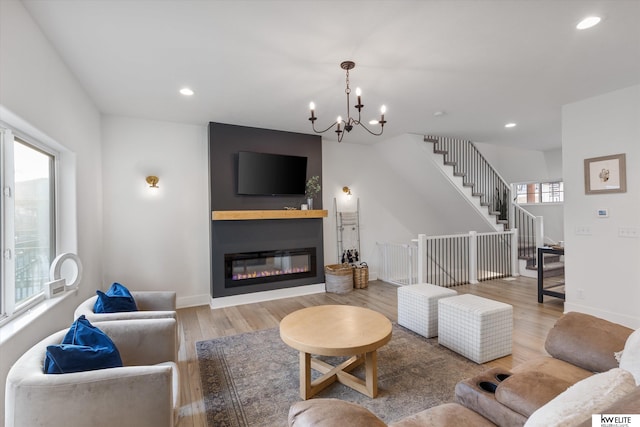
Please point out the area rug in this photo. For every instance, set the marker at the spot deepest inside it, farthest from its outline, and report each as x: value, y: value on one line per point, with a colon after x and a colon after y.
x: 252, y: 379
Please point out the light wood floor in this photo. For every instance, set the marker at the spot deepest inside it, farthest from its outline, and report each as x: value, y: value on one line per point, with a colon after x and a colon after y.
x: 531, y: 324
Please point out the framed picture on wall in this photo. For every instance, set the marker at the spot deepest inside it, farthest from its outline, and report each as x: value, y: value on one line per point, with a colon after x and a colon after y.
x: 606, y: 174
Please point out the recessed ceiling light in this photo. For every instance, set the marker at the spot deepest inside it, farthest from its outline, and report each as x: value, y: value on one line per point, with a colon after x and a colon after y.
x: 186, y: 91
x: 510, y: 125
x: 588, y: 22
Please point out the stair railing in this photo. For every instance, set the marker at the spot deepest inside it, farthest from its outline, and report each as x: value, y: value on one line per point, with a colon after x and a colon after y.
x: 477, y: 173
x: 531, y: 233
x: 450, y: 260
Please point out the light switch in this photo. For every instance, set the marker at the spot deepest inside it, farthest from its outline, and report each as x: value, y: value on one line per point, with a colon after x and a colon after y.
x: 583, y: 230
x: 629, y: 232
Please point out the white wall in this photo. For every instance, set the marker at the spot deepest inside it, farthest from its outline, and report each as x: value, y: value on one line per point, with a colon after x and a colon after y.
x: 520, y: 165
x: 602, y: 270
x: 157, y: 239
x: 36, y: 86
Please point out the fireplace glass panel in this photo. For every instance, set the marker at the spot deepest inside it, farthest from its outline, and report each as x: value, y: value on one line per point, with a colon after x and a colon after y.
x: 269, y: 266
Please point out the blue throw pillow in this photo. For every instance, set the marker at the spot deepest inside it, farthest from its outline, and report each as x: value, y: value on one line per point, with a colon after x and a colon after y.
x: 116, y: 299
x: 83, y: 348
x: 68, y: 358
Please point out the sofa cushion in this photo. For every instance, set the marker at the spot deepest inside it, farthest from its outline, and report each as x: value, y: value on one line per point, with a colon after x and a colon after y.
x: 555, y: 367
x: 630, y: 359
x: 83, y: 348
x: 525, y: 392
x: 116, y: 299
x: 586, y: 341
x: 330, y: 413
x: 445, y: 415
x: 581, y: 400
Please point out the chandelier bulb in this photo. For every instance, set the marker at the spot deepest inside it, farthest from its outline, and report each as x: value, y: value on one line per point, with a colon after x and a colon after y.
x: 312, y: 106
x: 358, y: 91
x: 383, y: 109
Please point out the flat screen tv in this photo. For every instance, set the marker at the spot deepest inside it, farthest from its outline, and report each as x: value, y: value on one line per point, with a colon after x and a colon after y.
x: 261, y: 174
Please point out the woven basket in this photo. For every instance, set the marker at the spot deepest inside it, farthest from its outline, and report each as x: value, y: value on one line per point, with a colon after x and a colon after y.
x: 361, y: 276
x: 338, y: 278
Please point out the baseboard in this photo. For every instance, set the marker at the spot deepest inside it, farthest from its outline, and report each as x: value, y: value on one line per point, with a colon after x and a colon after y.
x: 266, y: 296
x: 192, y: 301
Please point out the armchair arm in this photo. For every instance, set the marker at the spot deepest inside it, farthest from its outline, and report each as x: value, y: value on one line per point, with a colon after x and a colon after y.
x: 133, y: 395
x: 143, y: 341
x: 151, y: 305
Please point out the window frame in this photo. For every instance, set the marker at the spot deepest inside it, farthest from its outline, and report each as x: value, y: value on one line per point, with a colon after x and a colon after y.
x: 514, y: 189
x: 8, y: 306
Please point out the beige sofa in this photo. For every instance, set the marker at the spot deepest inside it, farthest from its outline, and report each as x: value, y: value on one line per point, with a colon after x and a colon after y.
x: 579, y: 345
x: 143, y: 393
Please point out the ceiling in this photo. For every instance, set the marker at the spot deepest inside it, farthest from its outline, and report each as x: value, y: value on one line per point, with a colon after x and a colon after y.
x: 259, y: 63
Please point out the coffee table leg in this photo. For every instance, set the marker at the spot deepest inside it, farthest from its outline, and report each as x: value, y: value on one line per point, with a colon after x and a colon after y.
x: 305, y: 375
x: 371, y: 373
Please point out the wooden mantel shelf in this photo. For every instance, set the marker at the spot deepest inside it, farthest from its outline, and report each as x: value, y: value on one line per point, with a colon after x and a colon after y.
x: 268, y: 214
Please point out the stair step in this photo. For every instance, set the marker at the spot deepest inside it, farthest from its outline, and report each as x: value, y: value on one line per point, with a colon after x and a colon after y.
x: 467, y: 184
x: 437, y: 151
x: 449, y: 163
x: 549, y: 266
x: 477, y: 194
x: 459, y: 174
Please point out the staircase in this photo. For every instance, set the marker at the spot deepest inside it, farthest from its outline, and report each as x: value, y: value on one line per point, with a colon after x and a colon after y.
x: 494, y: 194
x: 477, y: 174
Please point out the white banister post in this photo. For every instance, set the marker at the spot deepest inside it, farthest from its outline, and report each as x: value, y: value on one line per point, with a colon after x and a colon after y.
x: 473, y: 258
x: 539, y: 230
x: 422, y: 256
x: 515, y: 263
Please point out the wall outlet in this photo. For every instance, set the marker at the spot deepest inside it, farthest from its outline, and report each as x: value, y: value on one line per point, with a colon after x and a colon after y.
x: 629, y: 232
x: 580, y: 293
x: 583, y: 230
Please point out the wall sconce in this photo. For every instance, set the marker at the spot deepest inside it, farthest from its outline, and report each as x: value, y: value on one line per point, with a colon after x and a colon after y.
x: 152, y: 180
x: 347, y: 191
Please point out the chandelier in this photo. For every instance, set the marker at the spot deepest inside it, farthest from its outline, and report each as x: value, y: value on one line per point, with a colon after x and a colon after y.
x: 348, y: 124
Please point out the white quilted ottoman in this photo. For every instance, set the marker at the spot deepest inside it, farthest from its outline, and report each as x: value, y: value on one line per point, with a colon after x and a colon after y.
x: 478, y: 328
x: 418, y: 307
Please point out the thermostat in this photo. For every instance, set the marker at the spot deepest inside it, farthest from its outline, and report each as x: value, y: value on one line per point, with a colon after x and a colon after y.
x: 603, y: 213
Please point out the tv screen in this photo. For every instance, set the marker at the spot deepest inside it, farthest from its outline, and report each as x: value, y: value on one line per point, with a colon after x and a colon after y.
x: 271, y: 174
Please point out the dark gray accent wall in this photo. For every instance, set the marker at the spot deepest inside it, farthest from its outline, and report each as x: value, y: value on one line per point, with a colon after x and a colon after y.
x: 225, y: 141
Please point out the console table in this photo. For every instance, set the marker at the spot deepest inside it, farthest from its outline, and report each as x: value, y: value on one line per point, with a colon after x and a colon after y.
x: 550, y: 290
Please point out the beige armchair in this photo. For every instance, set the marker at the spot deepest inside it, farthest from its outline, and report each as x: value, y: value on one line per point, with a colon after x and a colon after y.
x: 143, y: 393
x: 151, y: 305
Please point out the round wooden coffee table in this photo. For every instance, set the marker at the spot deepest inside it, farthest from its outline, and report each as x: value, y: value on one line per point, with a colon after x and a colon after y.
x: 336, y: 330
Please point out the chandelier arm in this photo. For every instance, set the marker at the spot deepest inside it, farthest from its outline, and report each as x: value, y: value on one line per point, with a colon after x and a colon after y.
x: 371, y: 132
x: 313, y: 126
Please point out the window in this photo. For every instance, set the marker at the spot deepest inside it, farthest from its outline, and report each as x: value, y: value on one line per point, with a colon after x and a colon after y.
x: 28, y: 221
x: 540, y: 192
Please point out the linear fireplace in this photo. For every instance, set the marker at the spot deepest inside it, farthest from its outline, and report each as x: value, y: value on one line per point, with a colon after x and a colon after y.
x: 249, y: 268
